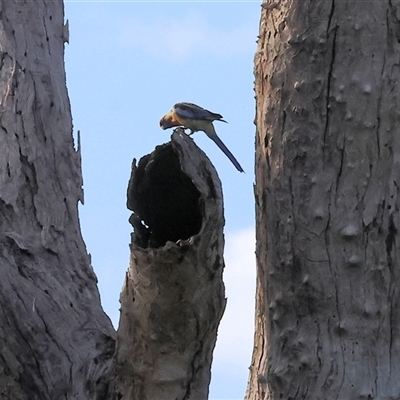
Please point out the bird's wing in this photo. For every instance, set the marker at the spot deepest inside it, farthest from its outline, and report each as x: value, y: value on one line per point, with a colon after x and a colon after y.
x: 193, y: 111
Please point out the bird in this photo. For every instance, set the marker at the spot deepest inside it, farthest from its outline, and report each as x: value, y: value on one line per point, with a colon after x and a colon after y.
x: 193, y: 117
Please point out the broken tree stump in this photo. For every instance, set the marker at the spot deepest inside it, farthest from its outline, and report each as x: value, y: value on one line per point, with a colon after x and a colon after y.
x: 174, y: 296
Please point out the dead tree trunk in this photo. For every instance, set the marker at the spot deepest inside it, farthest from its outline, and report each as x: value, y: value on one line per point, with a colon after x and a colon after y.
x: 55, y: 340
x: 173, y: 298
x: 327, y: 179
x: 53, y: 332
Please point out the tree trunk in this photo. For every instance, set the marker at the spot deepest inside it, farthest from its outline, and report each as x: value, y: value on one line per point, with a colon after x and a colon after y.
x: 173, y: 298
x: 327, y: 177
x: 55, y: 340
x: 53, y: 331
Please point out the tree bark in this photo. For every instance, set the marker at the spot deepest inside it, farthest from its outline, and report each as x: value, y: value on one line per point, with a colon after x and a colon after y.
x: 55, y: 340
x: 173, y: 297
x: 327, y: 177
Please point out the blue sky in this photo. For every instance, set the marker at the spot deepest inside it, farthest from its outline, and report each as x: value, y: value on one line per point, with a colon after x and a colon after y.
x: 127, y: 64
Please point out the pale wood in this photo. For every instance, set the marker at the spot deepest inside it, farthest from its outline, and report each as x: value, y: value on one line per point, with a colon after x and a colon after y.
x: 327, y: 178
x: 173, y: 298
x: 55, y: 340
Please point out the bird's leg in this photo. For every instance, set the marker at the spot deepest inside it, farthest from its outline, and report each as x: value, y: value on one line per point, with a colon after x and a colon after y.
x: 182, y: 128
x: 185, y: 129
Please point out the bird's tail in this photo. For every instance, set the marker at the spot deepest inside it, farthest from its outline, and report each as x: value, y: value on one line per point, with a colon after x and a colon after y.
x: 221, y: 145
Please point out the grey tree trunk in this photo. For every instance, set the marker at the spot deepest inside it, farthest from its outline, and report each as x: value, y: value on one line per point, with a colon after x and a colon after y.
x: 173, y: 297
x: 327, y: 195
x: 55, y: 340
x: 53, y: 331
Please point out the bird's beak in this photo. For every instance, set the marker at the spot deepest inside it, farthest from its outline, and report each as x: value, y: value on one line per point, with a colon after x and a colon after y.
x: 166, y: 122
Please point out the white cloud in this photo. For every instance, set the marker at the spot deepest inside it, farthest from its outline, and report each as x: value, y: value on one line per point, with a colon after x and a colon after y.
x: 180, y: 39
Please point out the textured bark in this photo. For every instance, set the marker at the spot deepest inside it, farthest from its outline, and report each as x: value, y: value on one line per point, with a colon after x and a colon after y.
x: 55, y: 340
x: 173, y: 298
x: 327, y: 177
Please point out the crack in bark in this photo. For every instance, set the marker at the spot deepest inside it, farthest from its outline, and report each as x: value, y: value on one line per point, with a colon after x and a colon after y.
x: 332, y: 61
x: 327, y: 245
x: 196, y: 358
x: 393, y: 20
x: 390, y: 240
x: 45, y: 30
x: 327, y: 124
x: 292, y: 203
x: 340, y: 169
x: 378, y: 125
x: 378, y: 111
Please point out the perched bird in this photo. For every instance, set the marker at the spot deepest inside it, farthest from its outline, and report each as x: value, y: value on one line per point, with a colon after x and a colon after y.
x: 196, y: 118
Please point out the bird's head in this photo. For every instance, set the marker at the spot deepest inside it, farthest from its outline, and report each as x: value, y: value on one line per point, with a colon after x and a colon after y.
x: 168, y: 121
